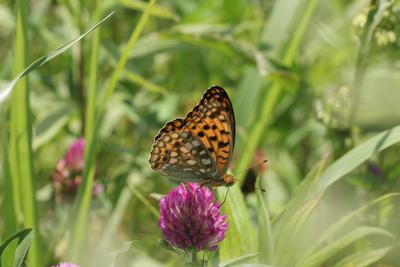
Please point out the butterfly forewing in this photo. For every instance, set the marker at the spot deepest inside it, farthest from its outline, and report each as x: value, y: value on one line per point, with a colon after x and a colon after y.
x: 214, y: 126
x: 181, y: 155
x: 198, y: 148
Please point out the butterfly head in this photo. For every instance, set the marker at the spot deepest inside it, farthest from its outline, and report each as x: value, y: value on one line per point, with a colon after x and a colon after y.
x: 229, y: 180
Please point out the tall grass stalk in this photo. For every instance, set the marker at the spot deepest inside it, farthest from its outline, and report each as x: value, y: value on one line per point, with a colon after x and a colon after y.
x: 274, y: 90
x: 22, y: 173
x: 88, y: 132
x: 82, y: 204
x: 9, y: 211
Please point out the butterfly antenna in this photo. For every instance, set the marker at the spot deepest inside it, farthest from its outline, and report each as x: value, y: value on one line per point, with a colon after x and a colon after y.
x: 226, y: 194
x: 252, y: 166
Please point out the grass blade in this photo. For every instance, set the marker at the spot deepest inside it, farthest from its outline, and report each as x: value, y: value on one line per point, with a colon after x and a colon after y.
x: 265, y: 237
x: 82, y: 203
x: 4, y: 92
x: 157, y: 11
x: 358, y: 155
x: 325, y: 253
x: 364, y: 258
x: 240, y: 239
x: 21, y: 157
x: 8, y: 205
x: 14, y: 250
x: 329, y: 233
x: 22, y: 250
x: 275, y: 88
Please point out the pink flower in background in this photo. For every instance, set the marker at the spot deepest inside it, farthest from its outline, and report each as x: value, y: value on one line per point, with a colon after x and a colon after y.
x: 66, y: 264
x: 74, y: 158
x: 190, y: 219
x: 68, y: 173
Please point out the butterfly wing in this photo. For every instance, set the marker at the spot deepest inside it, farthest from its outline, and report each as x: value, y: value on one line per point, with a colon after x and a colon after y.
x: 200, y: 146
x: 182, y: 156
x: 214, y: 125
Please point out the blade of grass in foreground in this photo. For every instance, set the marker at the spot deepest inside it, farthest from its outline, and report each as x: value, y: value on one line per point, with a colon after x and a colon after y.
x: 364, y: 258
x: 330, y: 233
x: 82, y: 204
x: 22, y: 173
x: 4, y: 92
x: 20, y: 128
x: 9, y: 212
x: 358, y: 155
x: 322, y: 255
x: 265, y: 238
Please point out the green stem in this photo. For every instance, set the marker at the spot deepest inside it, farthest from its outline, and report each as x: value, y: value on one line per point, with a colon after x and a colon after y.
x: 21, y: 158
x: 125, y: 55
x: 82, y: 203
x: 274, y: 91
x: 191, y: 259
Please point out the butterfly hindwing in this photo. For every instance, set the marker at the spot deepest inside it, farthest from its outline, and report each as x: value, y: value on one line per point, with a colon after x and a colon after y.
x: 181, y: 155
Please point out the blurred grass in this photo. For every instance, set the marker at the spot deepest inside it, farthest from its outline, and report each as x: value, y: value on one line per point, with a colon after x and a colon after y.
x: 83, y: 200
x: 21, y: 158
x: 290, y: 69
x: 274, y: 89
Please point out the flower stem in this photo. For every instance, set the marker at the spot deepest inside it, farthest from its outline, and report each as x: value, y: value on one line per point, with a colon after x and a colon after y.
x: 192, y: 260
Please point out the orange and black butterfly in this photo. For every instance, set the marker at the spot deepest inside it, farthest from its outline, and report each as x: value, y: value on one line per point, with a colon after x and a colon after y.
x: 199, y: 147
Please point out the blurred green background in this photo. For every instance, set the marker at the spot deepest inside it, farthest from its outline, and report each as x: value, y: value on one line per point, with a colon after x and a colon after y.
x: 309, y: 80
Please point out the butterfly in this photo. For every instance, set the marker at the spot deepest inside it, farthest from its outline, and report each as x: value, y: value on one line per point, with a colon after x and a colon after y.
x: 199, y: 147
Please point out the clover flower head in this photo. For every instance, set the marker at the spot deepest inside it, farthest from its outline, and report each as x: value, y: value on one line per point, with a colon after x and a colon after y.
x: 68, y: 173
x: 191, y: 219
x: 74, y: 158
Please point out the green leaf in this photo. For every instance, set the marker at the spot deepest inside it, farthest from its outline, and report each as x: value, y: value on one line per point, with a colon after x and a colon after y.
x: 333, y: 229
x: 48, y: 126
x: 83, y: 200
x: 270, y: 100
x: 22, y: 250
x: 331, y: 249
x: 8, y: 205
x: 300, y: 201
x: 240, y: 261
x: 15, y: 248
x: 358, y: 155
x: 4, y: 92
x: 157, y: 11
x: 240, y: 238
x: 364, y: 258
x: 7, y: 258
x: 265, y: 237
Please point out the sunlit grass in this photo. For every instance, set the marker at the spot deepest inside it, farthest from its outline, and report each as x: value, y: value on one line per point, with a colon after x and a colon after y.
x: 302, y: 77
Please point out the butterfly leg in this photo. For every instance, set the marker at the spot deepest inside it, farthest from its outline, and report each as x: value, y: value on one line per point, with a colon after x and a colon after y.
x: 226, y: 194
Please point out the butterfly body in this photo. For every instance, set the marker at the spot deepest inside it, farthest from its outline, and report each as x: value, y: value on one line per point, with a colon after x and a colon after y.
x: 199, y: 147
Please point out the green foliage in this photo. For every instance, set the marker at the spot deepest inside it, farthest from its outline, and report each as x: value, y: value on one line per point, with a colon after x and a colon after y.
x: 314, y: 85
x: 14, y: 251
